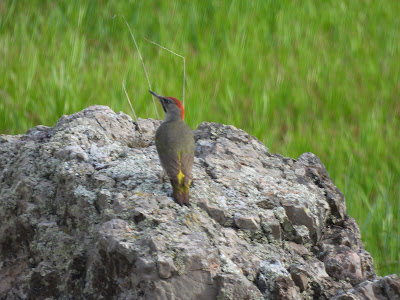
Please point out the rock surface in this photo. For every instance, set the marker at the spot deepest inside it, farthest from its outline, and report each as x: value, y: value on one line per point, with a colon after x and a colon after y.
x: 84, y: 215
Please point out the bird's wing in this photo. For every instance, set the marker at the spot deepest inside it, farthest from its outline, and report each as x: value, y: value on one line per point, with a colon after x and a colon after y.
x: 187, y: 160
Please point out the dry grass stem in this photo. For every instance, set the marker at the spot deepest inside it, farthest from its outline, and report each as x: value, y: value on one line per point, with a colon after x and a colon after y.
x: 141, y: 59
x: 184, y: 67
x: 134, y: 114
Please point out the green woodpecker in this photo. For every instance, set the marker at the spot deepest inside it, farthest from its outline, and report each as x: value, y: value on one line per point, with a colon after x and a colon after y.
x: 175, y: 147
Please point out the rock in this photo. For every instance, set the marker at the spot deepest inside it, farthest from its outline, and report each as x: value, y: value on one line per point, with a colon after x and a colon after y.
x: 165, y: 266
x: 387, y: 287
x: 247, y: 221
x: 236, y: 286
x: 84, y: 215
x: 275, y: 282
x: 271, y: 225
x: 299, y: 276
x: 343, y: 262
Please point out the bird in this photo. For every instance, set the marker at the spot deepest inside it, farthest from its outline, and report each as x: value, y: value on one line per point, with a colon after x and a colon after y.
x: 175, y: 146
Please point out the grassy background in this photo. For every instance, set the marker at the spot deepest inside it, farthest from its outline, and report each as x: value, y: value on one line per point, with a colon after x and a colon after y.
x: 318, y: 76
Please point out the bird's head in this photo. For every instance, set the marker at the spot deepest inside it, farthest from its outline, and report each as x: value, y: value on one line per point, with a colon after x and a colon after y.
x: 173, y: 108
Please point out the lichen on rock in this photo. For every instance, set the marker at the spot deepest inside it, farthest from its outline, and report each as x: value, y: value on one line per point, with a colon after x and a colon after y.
x: 85, y: 215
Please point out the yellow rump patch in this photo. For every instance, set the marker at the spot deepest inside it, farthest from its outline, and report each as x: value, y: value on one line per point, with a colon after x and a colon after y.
x: 181, y: 177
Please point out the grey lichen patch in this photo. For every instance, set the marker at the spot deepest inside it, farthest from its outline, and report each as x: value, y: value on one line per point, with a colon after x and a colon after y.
x: 287, y: 227
x: 225, y: 294
x: 85, y: 196
x: 179, y: 264
x: 271, y: 273
x: 228, y: 266
x: 302, y: 234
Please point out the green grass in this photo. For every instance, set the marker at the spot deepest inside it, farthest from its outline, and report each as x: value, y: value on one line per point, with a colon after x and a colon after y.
x: 319, y: 76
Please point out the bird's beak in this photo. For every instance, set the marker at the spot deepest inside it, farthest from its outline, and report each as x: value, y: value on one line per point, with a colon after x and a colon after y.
x: 161, y: 98
x: 158, y: 96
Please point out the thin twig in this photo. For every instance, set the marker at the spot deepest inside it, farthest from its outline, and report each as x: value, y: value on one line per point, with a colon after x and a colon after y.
x: 184, y: 67
x: 134, y: 114
x: 141, y: 59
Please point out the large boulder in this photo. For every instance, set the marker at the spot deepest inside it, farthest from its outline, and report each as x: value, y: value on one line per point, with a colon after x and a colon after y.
x: 84, y: 214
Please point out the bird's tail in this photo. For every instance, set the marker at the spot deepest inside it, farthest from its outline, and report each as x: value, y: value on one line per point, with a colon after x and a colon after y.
x: 181, y: 195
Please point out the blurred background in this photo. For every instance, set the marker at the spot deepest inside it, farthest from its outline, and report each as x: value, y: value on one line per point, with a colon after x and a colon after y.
x: 317, y: 76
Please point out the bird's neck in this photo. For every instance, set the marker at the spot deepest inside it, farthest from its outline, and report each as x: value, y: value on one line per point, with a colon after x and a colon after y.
x: 173, y: 116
